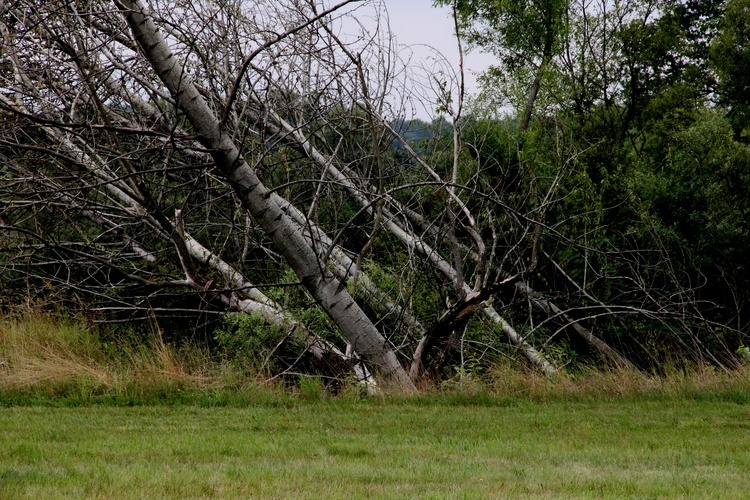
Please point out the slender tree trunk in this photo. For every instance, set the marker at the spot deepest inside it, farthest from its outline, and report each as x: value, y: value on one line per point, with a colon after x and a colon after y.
x: 595, y: 342
x: 530, y: 101
x: 256, y: 198
x: 412, y: 241
x: 534, y: 90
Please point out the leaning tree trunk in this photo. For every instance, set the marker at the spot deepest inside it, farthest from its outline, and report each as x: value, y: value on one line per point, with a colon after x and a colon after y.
x: 343, y: 177
x: 256, y: 198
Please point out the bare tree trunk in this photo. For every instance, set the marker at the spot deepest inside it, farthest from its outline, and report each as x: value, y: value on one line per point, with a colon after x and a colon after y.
x: 345, y: 268
x: 595, y: 342
x: 344, y: 178
x: 324, y: 288
x: 259, y: 304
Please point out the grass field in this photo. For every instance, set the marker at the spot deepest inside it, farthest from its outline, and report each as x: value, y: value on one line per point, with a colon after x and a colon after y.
x: 83, y: 415
x: 402, y: 448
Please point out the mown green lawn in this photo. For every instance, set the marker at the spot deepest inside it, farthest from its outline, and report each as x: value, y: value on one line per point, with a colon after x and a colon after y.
x: 345, y: 449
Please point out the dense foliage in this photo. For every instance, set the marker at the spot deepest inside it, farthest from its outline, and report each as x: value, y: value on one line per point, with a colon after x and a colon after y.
x: 588, y: 206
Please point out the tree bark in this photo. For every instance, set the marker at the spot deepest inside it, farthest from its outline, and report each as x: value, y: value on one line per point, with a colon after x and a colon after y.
x: 256, y: 198
x: 412, y: 241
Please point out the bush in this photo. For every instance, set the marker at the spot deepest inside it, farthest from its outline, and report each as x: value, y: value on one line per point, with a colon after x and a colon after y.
x: 248, y: 338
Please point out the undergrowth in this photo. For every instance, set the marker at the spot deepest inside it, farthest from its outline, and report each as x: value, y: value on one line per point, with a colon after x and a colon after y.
x: 46, y: 360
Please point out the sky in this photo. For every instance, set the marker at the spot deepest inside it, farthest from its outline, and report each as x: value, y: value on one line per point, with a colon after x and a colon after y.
x: 417, y: 23
x: 420, y: 29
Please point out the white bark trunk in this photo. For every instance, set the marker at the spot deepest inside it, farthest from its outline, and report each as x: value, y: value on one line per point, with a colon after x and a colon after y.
x: 259, y: 304
x: 325, y: 289
x: 413, y: 241
x: 344, y: 267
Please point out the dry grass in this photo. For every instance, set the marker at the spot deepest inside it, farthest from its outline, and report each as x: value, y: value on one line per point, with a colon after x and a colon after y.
x: 39, y: 351
x: 156, y: 362
x: 45, y: 355
x: 620, y: 383
x: 48, y: 355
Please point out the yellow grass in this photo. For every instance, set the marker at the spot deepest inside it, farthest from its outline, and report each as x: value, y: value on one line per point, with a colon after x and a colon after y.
x: 43, y: 352
x: 598, y: 383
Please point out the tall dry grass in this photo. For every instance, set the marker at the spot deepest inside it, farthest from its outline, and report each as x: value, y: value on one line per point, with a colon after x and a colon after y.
x: 45, y: 355
x: 50, y: 355
x: 695, y: 380
x: 39, y: 351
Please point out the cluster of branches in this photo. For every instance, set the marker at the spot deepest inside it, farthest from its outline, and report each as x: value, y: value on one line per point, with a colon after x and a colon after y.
x: 228, y: 155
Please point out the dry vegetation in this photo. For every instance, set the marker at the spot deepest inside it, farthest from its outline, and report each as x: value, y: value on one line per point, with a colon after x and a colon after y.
x: 44, y: 356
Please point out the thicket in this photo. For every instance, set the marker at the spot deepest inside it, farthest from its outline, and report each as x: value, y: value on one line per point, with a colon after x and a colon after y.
x: 587, y: 209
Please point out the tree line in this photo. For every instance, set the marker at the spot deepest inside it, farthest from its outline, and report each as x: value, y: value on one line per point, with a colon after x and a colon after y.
x: 246, y: 174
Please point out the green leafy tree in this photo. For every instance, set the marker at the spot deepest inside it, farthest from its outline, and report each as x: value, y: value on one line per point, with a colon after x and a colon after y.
x: 525, y: 35
x: 730, y: 56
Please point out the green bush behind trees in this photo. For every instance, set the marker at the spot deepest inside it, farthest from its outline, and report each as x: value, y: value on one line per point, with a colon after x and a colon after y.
x: 641, y: 116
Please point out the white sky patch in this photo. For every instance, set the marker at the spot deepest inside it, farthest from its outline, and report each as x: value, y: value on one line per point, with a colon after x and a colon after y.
x: 425, y: 38
x: 416, y: 23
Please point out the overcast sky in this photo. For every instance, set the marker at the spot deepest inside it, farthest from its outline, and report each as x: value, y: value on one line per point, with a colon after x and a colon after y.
x: 416, y: 22
x: 417, y: 26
